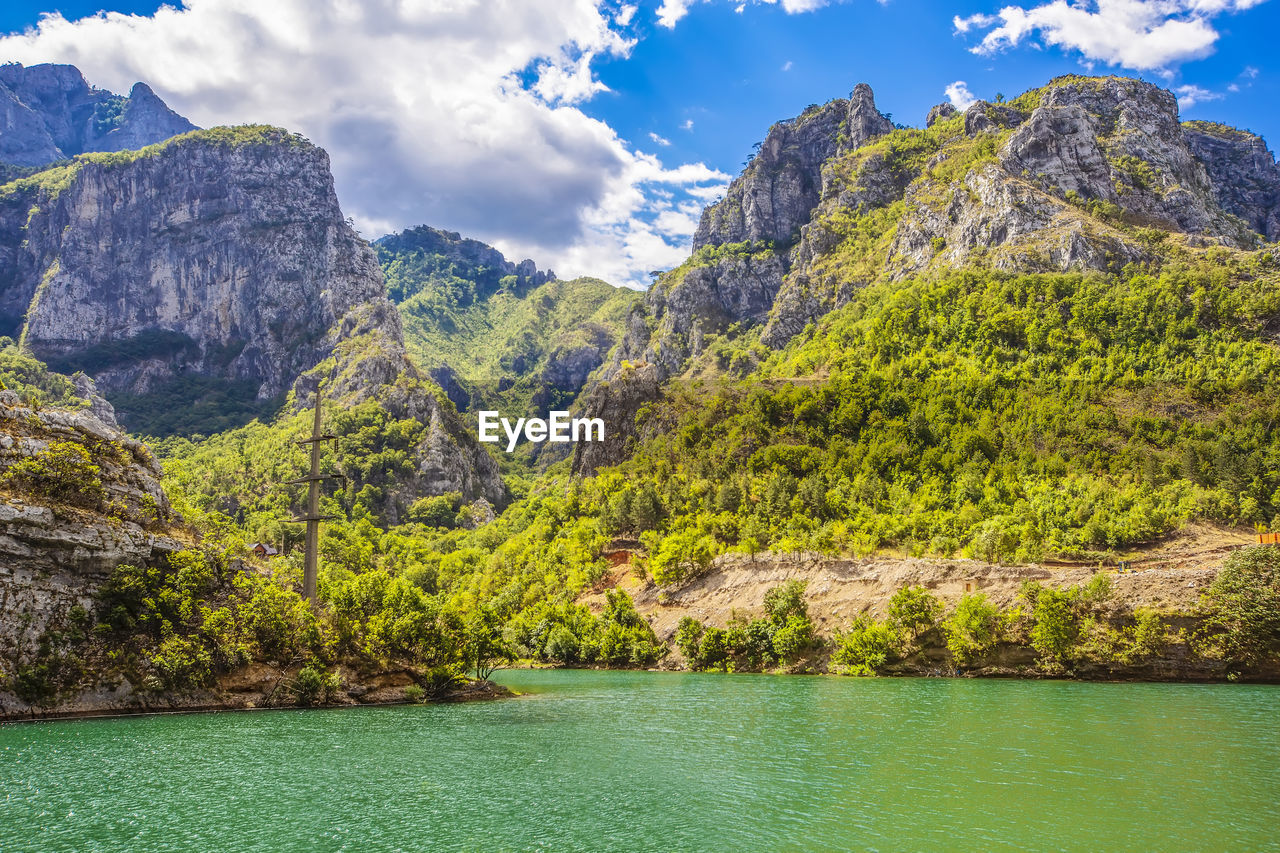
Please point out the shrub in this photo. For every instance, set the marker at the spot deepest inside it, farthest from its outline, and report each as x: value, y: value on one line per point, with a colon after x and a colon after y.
x: 865, y: 647
x: 793, y: 638
x: 315, y: 686
x: 62, y: 472
x: 972, y: 629
x: 785, y: 601
x: 1244, y: 606
x: 688, y: 637
x: 182, y: 662
x: 712, y: 650
x: 914, y: 610
x: 562, y: 645
x: 1054, y: 630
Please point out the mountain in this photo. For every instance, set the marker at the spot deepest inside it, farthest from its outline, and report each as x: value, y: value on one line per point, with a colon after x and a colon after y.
x: 211, y: 278
x: 493, y: 333
x: 50, y: 113
x: 219, y: 254
x: 1086, y: 173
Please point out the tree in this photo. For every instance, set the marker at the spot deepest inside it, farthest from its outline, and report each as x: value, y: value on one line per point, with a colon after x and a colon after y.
x: 914, y: 610
x: 1055, y: 629
x: 864, y: 648
x: 1244, y: 605
x: 785, y: 601
x: 688, y: 636
x: 483, y: 647
x: 973, y: 628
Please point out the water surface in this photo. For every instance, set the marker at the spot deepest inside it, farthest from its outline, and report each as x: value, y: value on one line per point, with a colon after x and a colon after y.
x: 657, y: 761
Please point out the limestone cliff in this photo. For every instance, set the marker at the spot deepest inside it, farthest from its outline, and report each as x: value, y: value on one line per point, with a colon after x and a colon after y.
x: 48, y: 113
x: 218, y: 262
x: 222, y: 253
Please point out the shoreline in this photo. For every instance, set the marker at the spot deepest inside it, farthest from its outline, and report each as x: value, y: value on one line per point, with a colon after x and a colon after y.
x: 476, y: 691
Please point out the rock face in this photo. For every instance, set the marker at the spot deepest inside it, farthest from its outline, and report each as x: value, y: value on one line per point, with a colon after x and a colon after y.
x: 221, y: 256
x: 53, y: 556
x: 49, y: 112
x: 224, y: 257
x: 741, y: 247
x: 1243, y: 172
x: 783, y: 183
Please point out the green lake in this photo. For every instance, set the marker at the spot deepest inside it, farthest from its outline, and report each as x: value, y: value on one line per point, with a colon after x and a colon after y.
x: 657, y: 761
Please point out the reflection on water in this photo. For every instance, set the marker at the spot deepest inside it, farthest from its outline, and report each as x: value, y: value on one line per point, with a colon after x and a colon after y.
x: 652, y: 761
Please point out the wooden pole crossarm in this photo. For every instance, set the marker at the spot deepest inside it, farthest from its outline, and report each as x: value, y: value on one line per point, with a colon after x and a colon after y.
x: 316, y: 478
x: 315, y: 438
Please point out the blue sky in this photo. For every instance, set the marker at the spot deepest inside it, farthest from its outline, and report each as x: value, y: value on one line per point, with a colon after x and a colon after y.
x: 588, y: 135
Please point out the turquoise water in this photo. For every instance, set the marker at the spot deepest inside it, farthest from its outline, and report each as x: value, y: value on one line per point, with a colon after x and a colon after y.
x: 654, y: 761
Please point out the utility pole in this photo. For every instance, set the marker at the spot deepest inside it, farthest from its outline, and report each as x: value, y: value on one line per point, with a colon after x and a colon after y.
x: 313, y: 516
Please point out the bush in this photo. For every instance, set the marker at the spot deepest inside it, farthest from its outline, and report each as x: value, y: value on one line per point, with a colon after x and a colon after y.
x: 1054, y: 630
x: 793, y: 638
x: 315, y: 686
x: 562, y: 645
x: 865, y: 647
x: 1244, y: 606
x: 972, y: 629
x: 182, y: 662
x: 62, y: 472
x: 713, y: 651
x: 1145, y: 639
x: 688, y: 637
x: 914, y: 610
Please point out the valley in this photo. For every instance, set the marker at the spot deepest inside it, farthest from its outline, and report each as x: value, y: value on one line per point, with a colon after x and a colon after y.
x: 966, y: 370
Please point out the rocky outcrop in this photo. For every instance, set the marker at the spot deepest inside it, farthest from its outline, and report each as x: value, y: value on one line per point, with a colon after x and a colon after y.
x: 783, y: 183
x: 57, y: 548
x: 1243, y: 173
x: 49, y: 113
x: 223, y: 254
x: 742, y: 244
x: 1071, y: 179
x: 449, y: 254
x: 941, y: 112
x: 617, y: 403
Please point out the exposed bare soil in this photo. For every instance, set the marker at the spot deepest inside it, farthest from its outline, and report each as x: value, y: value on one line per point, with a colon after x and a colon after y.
x: 1168, y: 576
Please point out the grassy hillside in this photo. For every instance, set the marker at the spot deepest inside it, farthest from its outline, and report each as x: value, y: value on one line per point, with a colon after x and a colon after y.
x: 506, y: 335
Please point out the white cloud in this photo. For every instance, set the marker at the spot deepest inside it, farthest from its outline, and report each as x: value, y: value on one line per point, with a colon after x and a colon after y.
x: 624, y: 16
x: 1250, y: 71
x: 960, y: 96
x: 963, y: 25
x: 786, y: 66
x: 660, y: 140
x: 671, y: 11
x: 1190, y: 95
x: 1143, y: 34
x: 461, y: 115
x: 687, y: 124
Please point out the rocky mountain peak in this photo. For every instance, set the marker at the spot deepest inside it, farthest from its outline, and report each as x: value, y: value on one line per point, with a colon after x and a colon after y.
x: 1083, y: 173
x: 49, y: 112
x: 780, y: 187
